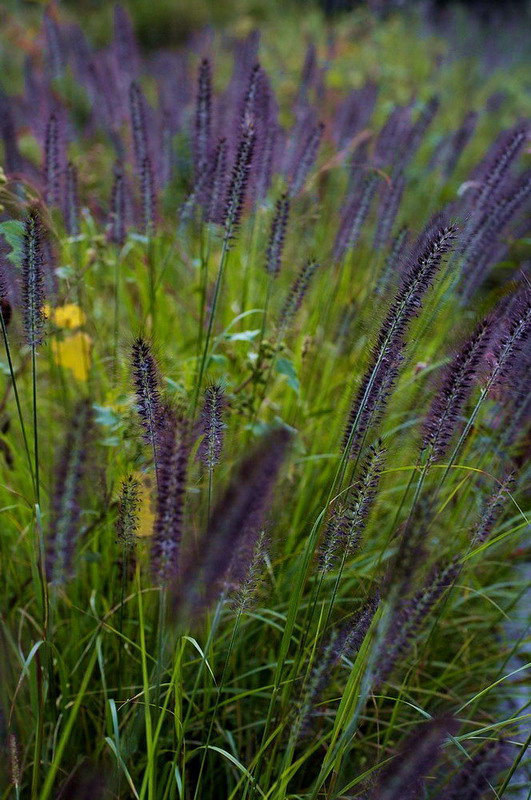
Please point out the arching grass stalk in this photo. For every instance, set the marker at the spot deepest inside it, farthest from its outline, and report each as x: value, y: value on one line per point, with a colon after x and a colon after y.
x: 35, y: 424
x: 358, y: 687
x: 150, y: 772
x: 204, y: 358
x: 123, y: 585
x: 116, y: 333
x: 506, y: 351
x: 205, y: 258
x: 211, y: 635
x: 152, y: 281
x: 218, y: 699
x: 160, y: 646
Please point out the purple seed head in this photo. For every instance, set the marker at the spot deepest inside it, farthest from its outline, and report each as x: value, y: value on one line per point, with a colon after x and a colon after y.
x: 52, y: 161
x: 251, y: 97
x: 459, y: 378
x: 459, y: 141
x: 413, y: 139
x: 389, y: 205
x: 203, y: 116
x: 296, y: 294
x: 354, y: 216
x: 71, y: 202
x: 217, y: 183
x: 55, y: 49
x: 378, y: 382
x: 254, y: 552
x: 510, y: 340
x: 66, y: 510
x: 212, y: 426
x: 344, y: 530
x: 492, y: 171
x: 172, y: 464
x: 222, y: 561
x: 411, y: 614
x: 404, y: 777
x: 146, y: 383
x: 306, y: 159
x: 138, y: 125
x: 277, y: 235
x: 492, y: 509
x: 235, y: 199
x: 125, y: 45
x: 476, y: 778
x: 33, y: 279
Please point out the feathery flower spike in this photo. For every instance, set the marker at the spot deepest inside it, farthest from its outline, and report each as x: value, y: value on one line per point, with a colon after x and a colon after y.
x: 387, y: 354
x: 173, y: 454
x: 443, y: 416
x: 66, y: 511
x: 203, y: 114
x: 33, y: 280
x: 146, y: 383
x: 127, y: 517
x: 211, y: 426
x: 276, y: 237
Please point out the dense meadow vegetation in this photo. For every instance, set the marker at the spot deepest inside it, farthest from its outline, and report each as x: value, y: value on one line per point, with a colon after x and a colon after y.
x: 265, y: 408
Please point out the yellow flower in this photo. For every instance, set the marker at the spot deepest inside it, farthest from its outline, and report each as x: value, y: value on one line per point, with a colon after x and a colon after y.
x: 68, y: 316
x: 74, y: 353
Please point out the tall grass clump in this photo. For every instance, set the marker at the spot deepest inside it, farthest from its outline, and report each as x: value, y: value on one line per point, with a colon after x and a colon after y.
x: 265, y: 408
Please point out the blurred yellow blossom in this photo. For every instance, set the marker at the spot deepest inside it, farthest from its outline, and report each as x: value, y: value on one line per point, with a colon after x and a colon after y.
x: 74, y: 353
x: 68, y: 316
